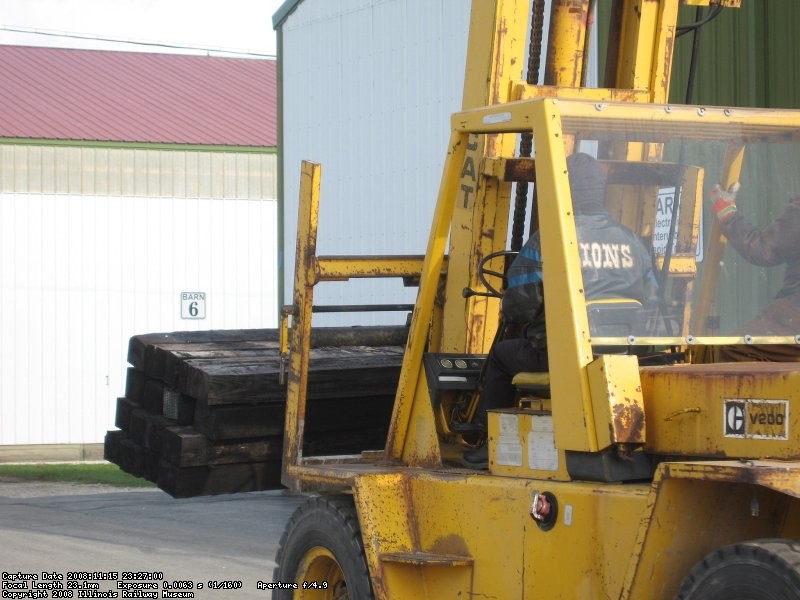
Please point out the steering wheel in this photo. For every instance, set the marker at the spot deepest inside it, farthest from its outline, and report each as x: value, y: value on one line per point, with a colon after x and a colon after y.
x: 484, y: 270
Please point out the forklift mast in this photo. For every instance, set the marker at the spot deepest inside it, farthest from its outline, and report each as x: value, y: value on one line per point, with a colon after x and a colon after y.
x: 639, y: 64
x: 639, y: 71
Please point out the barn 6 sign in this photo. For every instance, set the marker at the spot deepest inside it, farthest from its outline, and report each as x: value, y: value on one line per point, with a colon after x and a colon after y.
x: 193, y: 305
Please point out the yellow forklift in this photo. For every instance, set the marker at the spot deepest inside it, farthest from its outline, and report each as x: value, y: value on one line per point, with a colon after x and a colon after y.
x: 637, y: 467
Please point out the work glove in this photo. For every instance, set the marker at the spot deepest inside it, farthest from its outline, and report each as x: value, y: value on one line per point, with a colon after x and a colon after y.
x: 723, y: 203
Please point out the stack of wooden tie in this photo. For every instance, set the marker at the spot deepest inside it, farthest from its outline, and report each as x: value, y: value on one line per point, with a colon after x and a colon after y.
x: 203, y: 412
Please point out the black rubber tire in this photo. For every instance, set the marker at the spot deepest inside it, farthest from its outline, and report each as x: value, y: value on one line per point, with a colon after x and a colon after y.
x: 325, y: 527
x: 766, y: 569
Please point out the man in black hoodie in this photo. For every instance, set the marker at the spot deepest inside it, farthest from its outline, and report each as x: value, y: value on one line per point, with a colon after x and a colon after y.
x: 614, y: 263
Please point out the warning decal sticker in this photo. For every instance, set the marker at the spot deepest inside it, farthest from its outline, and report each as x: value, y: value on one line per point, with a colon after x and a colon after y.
x: 757, y: 419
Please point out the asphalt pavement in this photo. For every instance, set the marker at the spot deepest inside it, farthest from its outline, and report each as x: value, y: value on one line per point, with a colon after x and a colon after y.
x: 89, y: 538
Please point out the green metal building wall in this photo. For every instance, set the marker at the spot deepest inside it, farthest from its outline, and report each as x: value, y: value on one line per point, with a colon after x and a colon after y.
x: 747, y: 56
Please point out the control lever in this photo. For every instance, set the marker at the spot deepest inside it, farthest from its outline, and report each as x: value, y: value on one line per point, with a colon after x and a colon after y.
x: 467, y: 292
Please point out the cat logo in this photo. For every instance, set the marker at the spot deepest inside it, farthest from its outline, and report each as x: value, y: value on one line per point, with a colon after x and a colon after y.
x: 734, y: 418
x: 756, y: 419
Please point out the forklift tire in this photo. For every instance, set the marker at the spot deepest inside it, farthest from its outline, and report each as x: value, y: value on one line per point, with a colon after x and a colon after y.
x: 766, y: 569
x: 321, y: 551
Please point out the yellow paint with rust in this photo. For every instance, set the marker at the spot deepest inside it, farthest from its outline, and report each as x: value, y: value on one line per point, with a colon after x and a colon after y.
x: 432, y: 534
x: 646, y: 39
x: 574, y: 420
x: 727, y: 410
x: 472, y: 535
x: 497, y: 41
x: 522, y: 444
x: 304, y: 280
x: 727, y: 3
x: 696, y: 508
x: 411, y: 372
x: 616, y: 392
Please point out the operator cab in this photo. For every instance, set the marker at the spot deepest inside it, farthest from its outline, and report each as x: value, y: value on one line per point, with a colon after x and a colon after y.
x: 659, y: 170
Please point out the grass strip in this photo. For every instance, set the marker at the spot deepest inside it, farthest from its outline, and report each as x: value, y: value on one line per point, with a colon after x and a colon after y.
x: 104, y: 473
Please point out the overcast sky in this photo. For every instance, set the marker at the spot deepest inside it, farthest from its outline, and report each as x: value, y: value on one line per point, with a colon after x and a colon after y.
x: 227, y: 24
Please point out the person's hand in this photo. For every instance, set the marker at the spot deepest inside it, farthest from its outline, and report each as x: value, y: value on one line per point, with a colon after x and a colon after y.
x: 723, y: 202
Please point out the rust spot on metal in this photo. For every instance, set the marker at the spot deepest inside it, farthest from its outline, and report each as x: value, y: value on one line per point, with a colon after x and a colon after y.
x: 625, y: 95
x: 423, y: 460
x: 501, y: 33
x: 451, y: 544
x: 628, y: 422
x: 520, y: 169
x: 668, y: 58
x: 683, y: 411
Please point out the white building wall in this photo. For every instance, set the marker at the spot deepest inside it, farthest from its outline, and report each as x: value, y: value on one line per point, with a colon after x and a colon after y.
x: 368, y: 87
x: 80, y: 273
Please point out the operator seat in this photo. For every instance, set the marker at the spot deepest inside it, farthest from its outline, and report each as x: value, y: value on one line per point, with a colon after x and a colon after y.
x: 608, y: 317
x: 615, y: 317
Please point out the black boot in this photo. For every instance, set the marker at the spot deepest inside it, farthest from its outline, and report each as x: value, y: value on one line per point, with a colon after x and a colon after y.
x: 477, y: 459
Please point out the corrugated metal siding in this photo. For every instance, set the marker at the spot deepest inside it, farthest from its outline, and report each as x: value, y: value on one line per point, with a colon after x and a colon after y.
x: 368, y: 88
x: 91, y: 253
x: 748, y: 57
x: 136, y: 172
